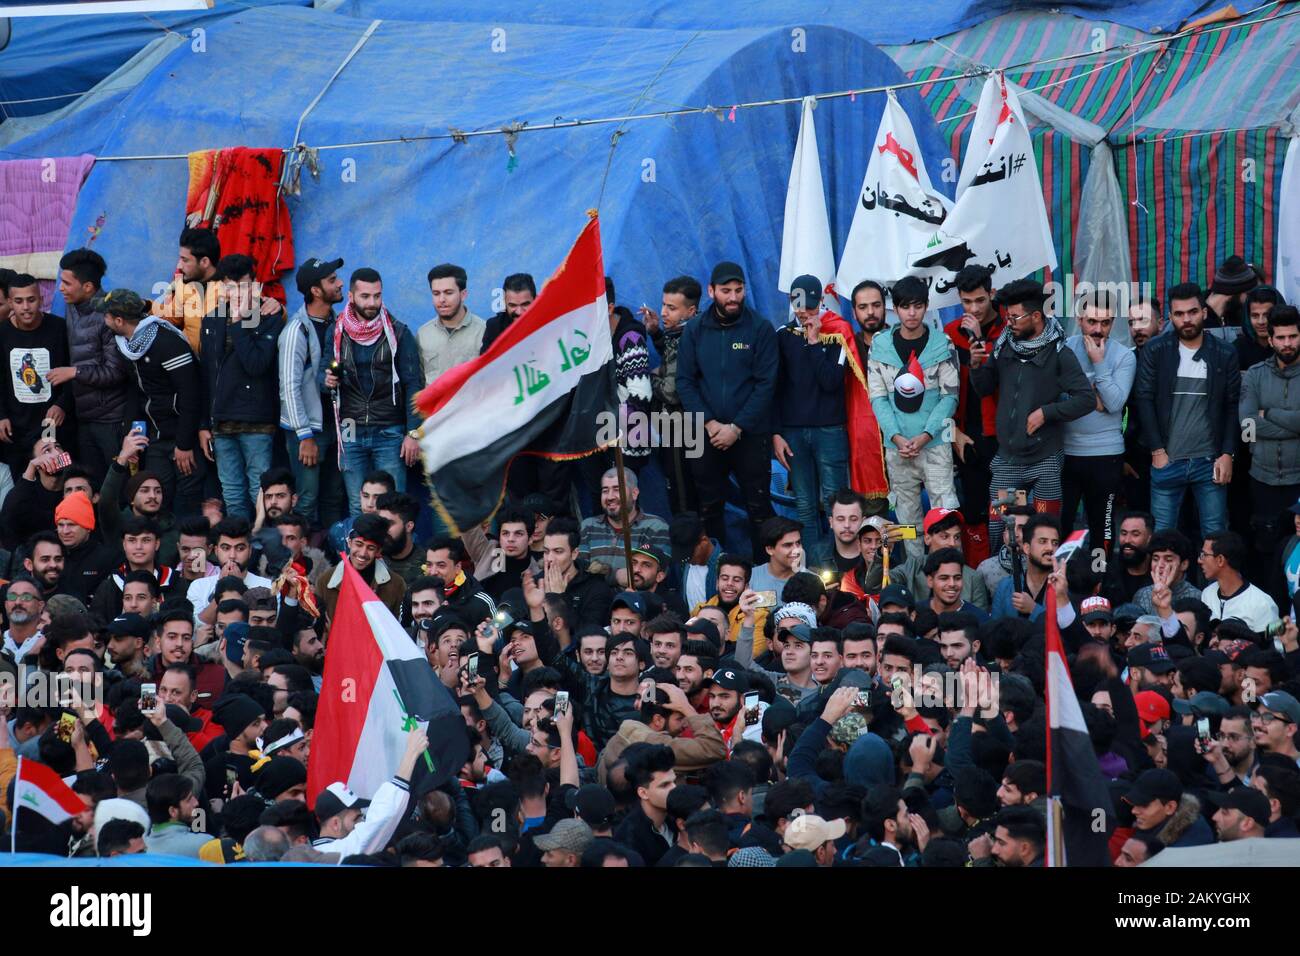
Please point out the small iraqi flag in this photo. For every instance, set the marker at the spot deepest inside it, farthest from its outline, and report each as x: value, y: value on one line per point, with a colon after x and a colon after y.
x: 40, y: 789
x: 539, y: 390
x: 1071, y: 544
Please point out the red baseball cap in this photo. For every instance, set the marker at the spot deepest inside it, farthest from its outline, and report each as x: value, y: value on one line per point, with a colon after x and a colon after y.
x: 935, y: 515
x: 1151, y: 706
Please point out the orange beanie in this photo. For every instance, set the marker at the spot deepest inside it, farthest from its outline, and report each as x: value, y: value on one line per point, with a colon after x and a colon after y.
x: 77, y: 508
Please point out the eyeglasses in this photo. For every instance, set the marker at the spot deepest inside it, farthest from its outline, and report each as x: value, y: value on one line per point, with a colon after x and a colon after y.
x: 1266, y: 718
x: 1232, y: 737
x: 18, y: 598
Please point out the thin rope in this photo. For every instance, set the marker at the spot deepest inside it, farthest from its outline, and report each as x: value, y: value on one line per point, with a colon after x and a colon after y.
x: 356, y: 48
x: 618, y: 133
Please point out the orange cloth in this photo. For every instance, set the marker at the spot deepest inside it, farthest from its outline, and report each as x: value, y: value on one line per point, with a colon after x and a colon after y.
x: 77, y: 508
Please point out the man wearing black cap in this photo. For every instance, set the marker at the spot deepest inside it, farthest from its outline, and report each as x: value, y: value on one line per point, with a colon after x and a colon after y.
x: 168, y: 397
x: 1040, y: 387
x: 726, y: 372
x: 913, y: 380
x: 365, y: 547
x: 649, y: 569
x: 809, y: 411
x: 306, y: 414
x: 1240, y: 814
x: 594, y: 805
x: 127, y: 636
x: 1162, y: 809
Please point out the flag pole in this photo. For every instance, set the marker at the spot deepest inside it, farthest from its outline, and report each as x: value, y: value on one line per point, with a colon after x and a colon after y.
x: 13, y: 824
x: 622, y: 509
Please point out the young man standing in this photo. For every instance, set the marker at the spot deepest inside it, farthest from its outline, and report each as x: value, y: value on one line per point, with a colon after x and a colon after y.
x: 914, y: 381
x: 97, y: 370
x: 680, y: 304
x: 306, y: 414
x: 809, y: 410
x: 454, y: 334
x: 32, y: 343
x: 726, y: 372
x: 1268, y: 407
x: 378, y: 375
x: 1188, y: 389
x: 1030, y: 368
x: 1094, y: 444
x: 237, y: 359
x: 975, y: 439
x: 169, y: 397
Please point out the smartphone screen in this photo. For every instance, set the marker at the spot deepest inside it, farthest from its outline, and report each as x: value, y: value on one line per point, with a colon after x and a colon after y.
x: 472, y: 666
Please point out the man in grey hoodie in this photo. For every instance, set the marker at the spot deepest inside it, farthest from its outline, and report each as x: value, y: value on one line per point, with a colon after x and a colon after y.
x: 1270, y: 410
x: 1094, y: 444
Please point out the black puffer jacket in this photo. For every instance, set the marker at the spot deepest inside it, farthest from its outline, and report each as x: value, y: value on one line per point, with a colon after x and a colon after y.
x: 101, y: 385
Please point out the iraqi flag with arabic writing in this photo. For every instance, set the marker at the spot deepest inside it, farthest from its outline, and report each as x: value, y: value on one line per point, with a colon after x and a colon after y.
x: 376, y: 685
x: 539, y: 390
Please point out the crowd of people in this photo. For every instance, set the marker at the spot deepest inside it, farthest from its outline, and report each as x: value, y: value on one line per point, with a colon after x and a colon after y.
x: 845, y: 681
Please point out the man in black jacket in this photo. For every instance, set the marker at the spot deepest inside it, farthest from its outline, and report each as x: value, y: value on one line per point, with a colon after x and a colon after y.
x: 96, y: 369
x: 167, y: 398
x: 1187, y: 390
x: 1030, y: 371
x: 240, y: 346
x: 726, y: 373
x: 32, y: 343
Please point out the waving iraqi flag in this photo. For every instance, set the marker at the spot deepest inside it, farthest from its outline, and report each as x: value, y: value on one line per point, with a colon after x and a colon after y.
x: 537, y: 391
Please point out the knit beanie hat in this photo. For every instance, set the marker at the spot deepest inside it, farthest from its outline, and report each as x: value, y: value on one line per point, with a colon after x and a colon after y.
x: 234, y: 712
x: 78, y: 509
x: 139, y: 478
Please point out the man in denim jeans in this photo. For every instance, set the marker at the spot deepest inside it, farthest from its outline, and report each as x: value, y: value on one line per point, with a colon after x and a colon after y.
x: 306, y: 416
x: 809, y: 411
x: 242, y: 399
x: 378, y: 375
x: 1188, y: 386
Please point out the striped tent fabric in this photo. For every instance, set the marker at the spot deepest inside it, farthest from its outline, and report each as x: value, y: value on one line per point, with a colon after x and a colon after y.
x: 1193, y: 126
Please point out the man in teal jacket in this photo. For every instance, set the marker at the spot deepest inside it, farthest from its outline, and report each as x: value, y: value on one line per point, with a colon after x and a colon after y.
x: 913, y: 379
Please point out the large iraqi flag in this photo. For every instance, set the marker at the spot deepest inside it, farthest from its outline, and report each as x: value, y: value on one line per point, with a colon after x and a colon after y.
x: 376, y: 684
x: 539, y: 390
x: 1074, y: 778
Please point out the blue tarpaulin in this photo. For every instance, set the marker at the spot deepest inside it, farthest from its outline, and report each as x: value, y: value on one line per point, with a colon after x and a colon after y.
x: 882, y: 21
x: 679, y: 194
x: 50, y: 58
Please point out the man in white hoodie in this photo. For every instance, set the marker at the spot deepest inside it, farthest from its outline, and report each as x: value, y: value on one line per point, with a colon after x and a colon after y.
x: 350, y: 825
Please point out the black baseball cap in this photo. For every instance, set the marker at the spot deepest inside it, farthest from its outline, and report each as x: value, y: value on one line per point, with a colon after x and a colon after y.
x: 1162, y: 785
x: 897, y: 594
x: 1246, y: 799
x: 726, y: 272
x: 632, y: 601
x: 313, y: 270
x: 808, y: 288
x: 129, y: 625
x: 1153, y: 657
x: 728, y: 678
x: 593, y: 803
x: 654, y: 554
